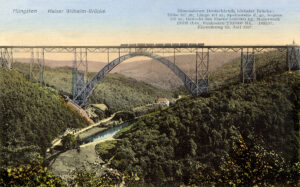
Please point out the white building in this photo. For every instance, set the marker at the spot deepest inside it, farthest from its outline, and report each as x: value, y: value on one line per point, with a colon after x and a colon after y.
x: 162, y: 101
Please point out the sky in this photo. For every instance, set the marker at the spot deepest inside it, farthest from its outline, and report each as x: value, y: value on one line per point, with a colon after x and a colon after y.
x: 138, y: 21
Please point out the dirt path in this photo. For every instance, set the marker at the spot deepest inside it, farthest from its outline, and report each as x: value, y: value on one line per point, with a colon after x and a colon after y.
x: 57, y: 141
x: 96, y: 142
x: 86, y: 159
x: 96, y: 124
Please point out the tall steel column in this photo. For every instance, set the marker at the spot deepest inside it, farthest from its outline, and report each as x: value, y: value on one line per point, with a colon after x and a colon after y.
x: 108, y: 56
x: 1, y: 57
x: 31, y: 65
x: 42, y: 65
x: 6, y: 57
x: 80, y: 70
x: 202, y: 73
x: 11, y: 59
x: 37, y: 65
x: 174, y: 56
x: 293, y: 58
x: 248, y: 65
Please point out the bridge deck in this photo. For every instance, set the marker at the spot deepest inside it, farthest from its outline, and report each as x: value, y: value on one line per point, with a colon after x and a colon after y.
x: 160, y: 46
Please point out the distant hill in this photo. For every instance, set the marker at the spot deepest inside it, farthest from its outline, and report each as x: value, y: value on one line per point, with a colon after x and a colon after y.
x: 31, y: 116
x: 93, y: 65
x: 158, y: 75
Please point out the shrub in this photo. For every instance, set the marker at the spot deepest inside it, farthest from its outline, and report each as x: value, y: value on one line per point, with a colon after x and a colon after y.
x: 33, y: 174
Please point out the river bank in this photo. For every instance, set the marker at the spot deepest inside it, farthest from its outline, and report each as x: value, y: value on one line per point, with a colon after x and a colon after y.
x: 84, y: 158
x: 82, y: 133
x: 65, y: 163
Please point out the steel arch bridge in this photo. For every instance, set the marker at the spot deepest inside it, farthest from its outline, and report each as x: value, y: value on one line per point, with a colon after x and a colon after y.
x: 195, y: 88
x: 196, y: 85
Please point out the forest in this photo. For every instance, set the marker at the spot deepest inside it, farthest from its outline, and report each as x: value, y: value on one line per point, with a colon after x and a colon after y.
x: 238, y: 134
x: 31, y: 116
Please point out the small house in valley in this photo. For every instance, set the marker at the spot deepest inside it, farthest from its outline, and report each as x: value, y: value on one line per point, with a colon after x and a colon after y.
x: 162, y: 101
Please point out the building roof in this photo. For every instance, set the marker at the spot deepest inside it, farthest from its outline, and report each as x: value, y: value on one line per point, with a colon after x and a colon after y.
x: 161, y: 99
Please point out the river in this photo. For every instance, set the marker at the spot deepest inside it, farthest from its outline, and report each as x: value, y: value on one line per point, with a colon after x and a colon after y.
x: 106, y: 133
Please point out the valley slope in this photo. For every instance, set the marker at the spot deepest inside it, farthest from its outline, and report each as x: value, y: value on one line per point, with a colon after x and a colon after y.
x: 242, y: 134
x: 31, y: 116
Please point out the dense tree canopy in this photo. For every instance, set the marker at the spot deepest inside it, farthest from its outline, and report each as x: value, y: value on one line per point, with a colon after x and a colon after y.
x: 199, y: 134
x: 31, y: 116
x: 223, y: 136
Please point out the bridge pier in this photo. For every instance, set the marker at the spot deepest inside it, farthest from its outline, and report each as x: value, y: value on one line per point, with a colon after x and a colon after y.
x: 79, y: 76
x: 202, y: 73
x: 37, y: 65
x: 293, y: 58
x: 6, y: 60
x: 247, y: 65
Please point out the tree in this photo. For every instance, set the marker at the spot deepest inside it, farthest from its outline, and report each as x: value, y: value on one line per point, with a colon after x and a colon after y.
x: 70, y: 141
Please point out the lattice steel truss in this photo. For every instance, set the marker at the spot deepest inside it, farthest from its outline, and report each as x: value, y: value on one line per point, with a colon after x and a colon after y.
x: 202, y: 72
x: 293, y: 58
x: 37, y: 65
x: 6, y: 60
x: 80, y: 70
x: 248, y: 65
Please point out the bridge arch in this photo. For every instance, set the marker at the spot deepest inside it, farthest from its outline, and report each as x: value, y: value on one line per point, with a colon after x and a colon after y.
x: 84, y: 93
